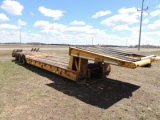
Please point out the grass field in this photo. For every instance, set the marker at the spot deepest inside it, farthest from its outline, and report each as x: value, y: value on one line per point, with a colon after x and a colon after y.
x: 30, y: 93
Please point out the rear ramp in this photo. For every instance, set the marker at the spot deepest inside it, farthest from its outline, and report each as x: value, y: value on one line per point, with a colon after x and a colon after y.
x: 113, y: 56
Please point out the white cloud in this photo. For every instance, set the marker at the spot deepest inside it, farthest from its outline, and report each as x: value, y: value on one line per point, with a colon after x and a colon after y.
x: 35, y: 35
x: 13, y: 36
x: 145, y: 21
x: 125, y: 28
x: 42, y: 24
x: 21, y: 23
x: 101, y: 13
x: 82, y: 39
x: 3, y: 17
x: 8, y: 26
x: 87, y: 29
x: 120, y: 19
x: 75, y: 22
x: 155, y: 25
x: 55, y: 28
x: 153, y: 33
x: 126, y: 16
x: 155, y: 13
x: 47, y: 27
x: 12, y: 7
x: 158, y: 6
x: 55, y: 14
x: 127, y: 10
x: 121, y: 28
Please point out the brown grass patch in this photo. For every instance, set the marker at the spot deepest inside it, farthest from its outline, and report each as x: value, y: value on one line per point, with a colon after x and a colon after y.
x: 27, y: 92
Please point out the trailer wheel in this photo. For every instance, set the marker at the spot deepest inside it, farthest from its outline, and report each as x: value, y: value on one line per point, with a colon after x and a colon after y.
x: 23, y: 59
x: 16, y: 57
x: 108, y: 69
x: 94, y: 71
x: 13, y: 54
x: 19, y: 59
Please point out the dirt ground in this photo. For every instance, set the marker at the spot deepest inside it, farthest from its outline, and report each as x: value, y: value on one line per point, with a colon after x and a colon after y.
x: 30, y: 93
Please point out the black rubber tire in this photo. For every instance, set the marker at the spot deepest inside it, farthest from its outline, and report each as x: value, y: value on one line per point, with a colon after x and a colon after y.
x: 23, y: 59
x: 16, y: 58
x: 19, y: 59
x: 13, y: 55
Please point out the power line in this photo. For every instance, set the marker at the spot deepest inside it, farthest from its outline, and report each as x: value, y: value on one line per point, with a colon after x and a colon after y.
x: 142, y: 10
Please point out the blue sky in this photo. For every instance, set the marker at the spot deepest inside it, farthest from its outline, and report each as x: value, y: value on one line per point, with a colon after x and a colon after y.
x: 78, y: 22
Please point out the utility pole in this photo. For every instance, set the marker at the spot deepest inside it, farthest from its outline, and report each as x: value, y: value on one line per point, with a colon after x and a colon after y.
x: 142, y: 10
x: 92, y: 41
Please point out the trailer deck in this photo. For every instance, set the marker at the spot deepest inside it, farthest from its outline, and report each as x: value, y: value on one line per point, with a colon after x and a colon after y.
x: 84, y: 62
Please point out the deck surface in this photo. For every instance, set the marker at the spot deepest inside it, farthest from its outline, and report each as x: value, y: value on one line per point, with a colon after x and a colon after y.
x: 49, y: 59
x: 63, y: 61
x: 129, y: 56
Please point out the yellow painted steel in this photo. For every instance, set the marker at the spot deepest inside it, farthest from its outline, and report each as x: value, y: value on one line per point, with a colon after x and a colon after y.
x: 77, y: 68
x: 143, y: 62
x: 70, y: 74
x: 157, y: 58
x: 100, y: 57
x: 110, y: 59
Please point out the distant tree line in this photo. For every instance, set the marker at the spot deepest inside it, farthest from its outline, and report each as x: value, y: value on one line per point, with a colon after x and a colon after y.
x: 38, y: 43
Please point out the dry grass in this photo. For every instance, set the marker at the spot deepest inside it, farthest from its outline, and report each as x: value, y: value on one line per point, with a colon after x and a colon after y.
x: 27, y: 92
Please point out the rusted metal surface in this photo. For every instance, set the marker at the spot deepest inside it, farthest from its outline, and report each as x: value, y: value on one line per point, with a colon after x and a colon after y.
x: 46, y: 58
x: 49, y: 59
x: 57, y: 63
x: 129, y: 56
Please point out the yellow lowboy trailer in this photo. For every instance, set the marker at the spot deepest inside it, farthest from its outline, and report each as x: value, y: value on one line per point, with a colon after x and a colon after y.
x: 84, y: 62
